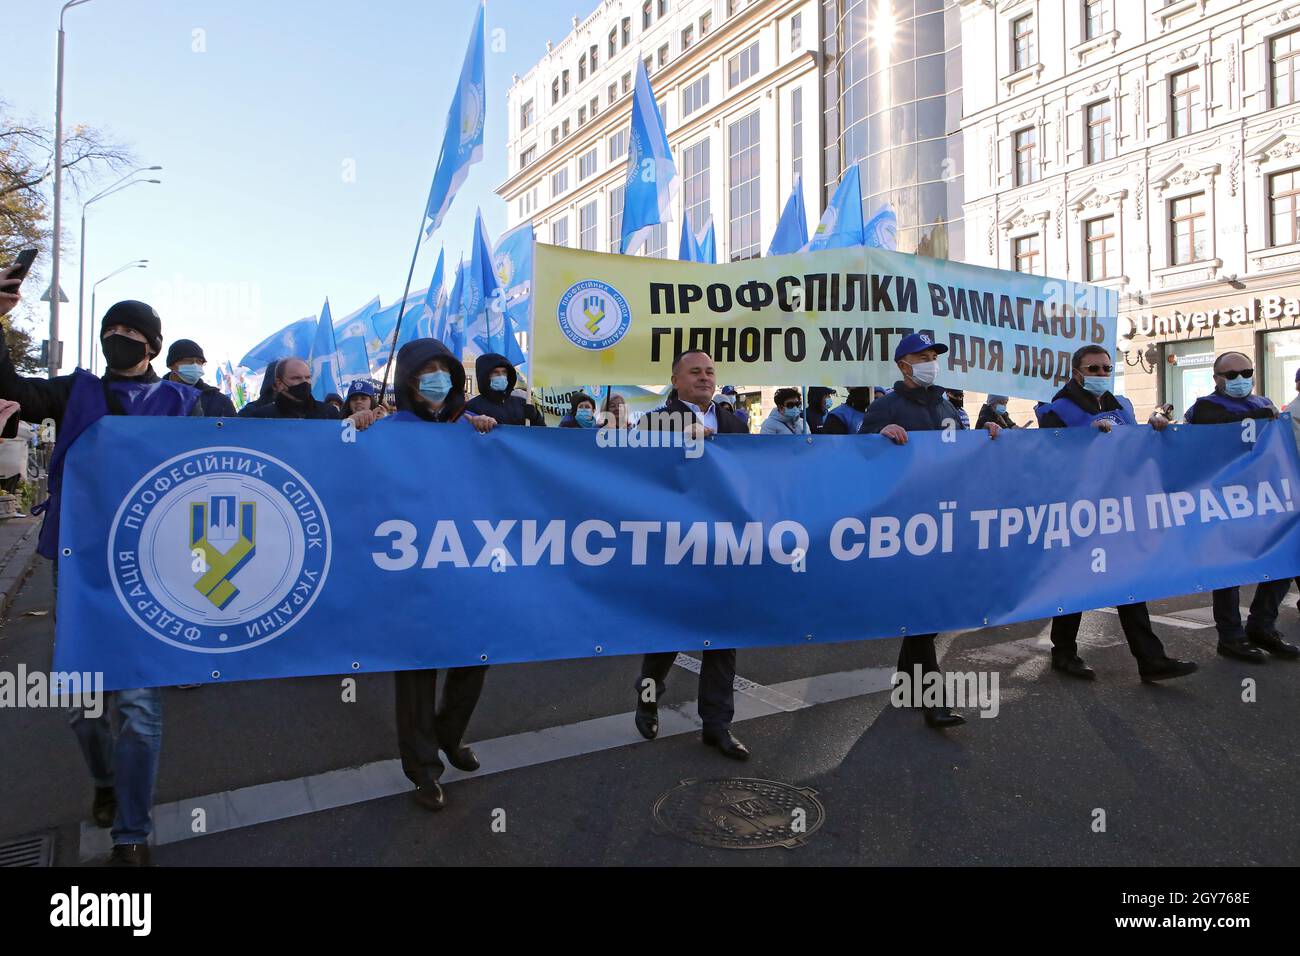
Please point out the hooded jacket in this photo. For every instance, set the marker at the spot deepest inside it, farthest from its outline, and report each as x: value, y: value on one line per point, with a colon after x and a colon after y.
x: 920, y: 409
x: 507, y: 409
x: 412, y: 357
x: 776, y: 424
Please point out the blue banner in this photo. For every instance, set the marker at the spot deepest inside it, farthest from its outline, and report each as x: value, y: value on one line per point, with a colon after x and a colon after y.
x: 220, y: 550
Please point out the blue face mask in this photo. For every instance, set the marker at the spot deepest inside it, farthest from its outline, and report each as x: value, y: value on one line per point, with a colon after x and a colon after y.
x: 1238, y: 387
x: 1000, y: 409
x: 498, y: 383
x: 1096, y: 384
x: 828, y: 406
x: 586, y: 417
x: 189, y: 374
x: 435, y: 385
x: 791, y: 414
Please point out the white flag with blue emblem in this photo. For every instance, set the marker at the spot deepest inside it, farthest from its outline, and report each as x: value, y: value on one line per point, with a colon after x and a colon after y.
x: 325, y: 375
x: 882, y: 229
x: 652, y: 180
x: 841, y: 223
x: 462, y: 141
x: 352, y: 335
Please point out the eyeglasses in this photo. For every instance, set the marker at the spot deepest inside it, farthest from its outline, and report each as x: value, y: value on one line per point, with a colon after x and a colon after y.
x: 789, y: 405
x: 1244, y: 373
x: 1098, y: 369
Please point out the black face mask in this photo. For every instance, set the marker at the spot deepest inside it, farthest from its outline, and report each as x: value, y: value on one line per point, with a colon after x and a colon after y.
x: 299, y: 394
x: 121, y: 353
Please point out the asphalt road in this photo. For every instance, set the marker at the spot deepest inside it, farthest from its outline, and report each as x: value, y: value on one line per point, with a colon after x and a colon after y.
x: 1186, y: 772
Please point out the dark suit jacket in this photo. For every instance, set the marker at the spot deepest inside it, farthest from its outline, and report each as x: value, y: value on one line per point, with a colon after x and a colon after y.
x: 668, y: 416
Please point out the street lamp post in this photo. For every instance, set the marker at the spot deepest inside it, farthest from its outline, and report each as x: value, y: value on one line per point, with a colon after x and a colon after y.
x: 81, y: 282
x: 58, y: 193
x: 135, y: 264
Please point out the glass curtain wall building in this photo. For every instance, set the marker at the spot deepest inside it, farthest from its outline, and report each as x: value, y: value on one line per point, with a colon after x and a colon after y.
x: 893, y: 105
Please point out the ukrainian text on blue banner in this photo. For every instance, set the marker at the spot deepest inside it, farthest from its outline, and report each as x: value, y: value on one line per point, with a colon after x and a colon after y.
x: 204, y: 550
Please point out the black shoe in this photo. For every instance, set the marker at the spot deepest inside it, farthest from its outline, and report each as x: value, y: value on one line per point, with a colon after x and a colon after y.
x: 1074, y: 666
x: 1242, y: 650
x: 104, y: 809
x: 1166, y: 669
x: 462, y: 758
x: 130, y: 854
x: 430, y: 796
x: 942, y: 717
x: 1272, y: 642
x: 647, y: 719
x: 728, y: 744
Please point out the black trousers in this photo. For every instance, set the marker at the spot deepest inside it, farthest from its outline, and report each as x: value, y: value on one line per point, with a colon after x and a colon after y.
x: 422, y: 728
x: 1263, y: 609
x: 918, y: 649
x: 1135, y: 621
x: 717, y: 703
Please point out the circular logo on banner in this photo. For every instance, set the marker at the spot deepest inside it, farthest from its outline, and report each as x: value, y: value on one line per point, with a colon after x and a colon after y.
x: 471, y: 114
x: 593, y: 315
x: 219, y: 550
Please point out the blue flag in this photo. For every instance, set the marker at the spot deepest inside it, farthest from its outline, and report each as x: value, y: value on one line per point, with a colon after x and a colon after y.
x: 419, y: 324
x: 482, y: 294
x: 689, y: 250
x: 708, y: 244
x: 512, y: 258
x: 383, y: 325
x: 462, y: 142
x: 325, y: 375
x: 841, y: 223
x: 882, y: 229
x: 454, y: 328
x: 294, y: 340
x: 792, y: 229
x: 351, y: 335
x: 652, y: 179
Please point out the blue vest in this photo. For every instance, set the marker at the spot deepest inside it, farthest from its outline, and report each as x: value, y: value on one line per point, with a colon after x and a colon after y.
x: 1239, y: 406
x: 850, y: 416
x: 87, y: 404
x: 1074, y: 416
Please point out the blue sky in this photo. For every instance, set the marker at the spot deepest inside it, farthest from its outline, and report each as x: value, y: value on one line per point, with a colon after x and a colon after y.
x: 255, y: 222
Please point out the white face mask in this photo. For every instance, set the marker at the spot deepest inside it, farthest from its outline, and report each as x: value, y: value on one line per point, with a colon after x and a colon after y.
x: 923, y: 373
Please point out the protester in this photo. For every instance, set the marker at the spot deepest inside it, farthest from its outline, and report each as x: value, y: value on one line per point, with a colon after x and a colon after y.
x: 616, y: 414
x: 1086, y: 401
x: 266, y: 394
x: 582, y: 412
x: 496, y: 378
x: 917, y: 404
x: 335, y: 401
x: 846, y: 419
x: 1232, y: 401
x: 994, y: 410
x: 361, y: 397
x: 732, y: 398
x: 186, y: 361
x: 124, y: 765
x: 787, y: 417
x: 291, y: 394
x: 958, y: 400
x: 429, y: 384
x: 690, y: 408
x: 820, y: 402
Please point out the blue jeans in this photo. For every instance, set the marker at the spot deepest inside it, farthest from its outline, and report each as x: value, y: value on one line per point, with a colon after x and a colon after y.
x: 126, y: 760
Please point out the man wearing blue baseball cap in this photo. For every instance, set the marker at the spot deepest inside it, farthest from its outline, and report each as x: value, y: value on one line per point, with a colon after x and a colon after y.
x: 917, y: 404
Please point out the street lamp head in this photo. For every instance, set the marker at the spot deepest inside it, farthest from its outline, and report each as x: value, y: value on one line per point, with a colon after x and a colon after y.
x: 152, y: 169
x: 154, y: 181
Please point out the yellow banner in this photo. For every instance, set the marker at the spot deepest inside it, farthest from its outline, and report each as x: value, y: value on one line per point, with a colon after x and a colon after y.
x: 831, y: 317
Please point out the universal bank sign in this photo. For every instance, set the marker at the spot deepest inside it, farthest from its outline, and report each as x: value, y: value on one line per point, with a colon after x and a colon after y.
x: 1244, y: 312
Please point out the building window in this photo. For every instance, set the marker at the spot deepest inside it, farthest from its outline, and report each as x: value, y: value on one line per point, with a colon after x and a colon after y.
x: 796, y: 132
x: 591, y: 56
x: 695, y: 183
x: 743, y: 65
x: 625, y: 33
x: 1101, y: 132
x: 559, y: 182
x: 587, y: 164
x: 1279, y: 354
x: 1024, y: 252
x: 656, y: 244
x: 649, y: 65
x: 1284, y: 207
x: 616, y: 217
x: 1096, y: 18
x: 1026, y: 146
x: 618, y: 146
x: 688, y: 36
x: 625, y: 84
x: 613, y: 43
x: 560, y: 232
x: 1023, y: 53
x: 555, y: 91
x: 564, y: 129
x: 1100, y: 249
x: 695, y: 95
x: 595, y: 106
x: 706, y: 23
x: 582, y: 67
x: 796, y: 32
x: 564, y: 83
x: 526, y: 115
x: 612, y: 92
x: 743, y: 193
x: 555, y: 135
x: 647, y: 14
x: 1187, y: 232
x: 663, y: 8
x: 582, y: 116
x: 1284, y: 67
x: 1189, y: 372
x: 527, y: 156
x: 663, y: 55
x: 587, y: 226
x: 1184, y: 102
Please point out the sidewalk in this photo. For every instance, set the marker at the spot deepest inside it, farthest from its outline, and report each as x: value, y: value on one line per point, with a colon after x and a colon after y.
x: 17, y: 553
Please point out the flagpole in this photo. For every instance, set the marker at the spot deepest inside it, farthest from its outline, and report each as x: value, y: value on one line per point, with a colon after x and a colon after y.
x: 401, y: 311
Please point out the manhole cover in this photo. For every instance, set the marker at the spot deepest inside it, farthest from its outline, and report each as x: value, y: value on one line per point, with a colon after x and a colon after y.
x: 740, y: 813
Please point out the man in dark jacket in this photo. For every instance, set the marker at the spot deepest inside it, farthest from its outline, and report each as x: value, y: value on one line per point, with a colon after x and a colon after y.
x: 995, y: 410
x: 846, y: 419
x: 186, y: 361
x: 820, y: 403
x: 124, y: 766
x: 690, y: 408
x: 266, y: 393
x: 496, y: 379
x: 291, y: 395
x: 917, y: 404
x: 1232, y: 401
x: 1086, y: 402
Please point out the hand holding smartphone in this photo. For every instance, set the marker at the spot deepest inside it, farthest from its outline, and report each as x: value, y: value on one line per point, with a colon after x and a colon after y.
x: 12, y: 278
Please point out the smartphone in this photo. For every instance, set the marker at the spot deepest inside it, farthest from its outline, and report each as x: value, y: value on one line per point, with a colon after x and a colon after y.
x: 22, y: 265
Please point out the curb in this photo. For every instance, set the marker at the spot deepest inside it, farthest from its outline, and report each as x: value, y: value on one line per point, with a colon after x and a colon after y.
x: 16, y: 565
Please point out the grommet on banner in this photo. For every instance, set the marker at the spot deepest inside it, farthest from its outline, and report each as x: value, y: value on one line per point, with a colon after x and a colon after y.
x: 706, y: 643
x: 1059, y: 610
x: 219, y: 423
x: 902, y: 630
x: 807, y: 637
x: 599, y: 648
x: 1266, y: 577
x: 810, y: 439
x: 482, y: 657
x: 216, y: 675
x: 66, y: 552
x: 356, y: 665
x: 986, y: 621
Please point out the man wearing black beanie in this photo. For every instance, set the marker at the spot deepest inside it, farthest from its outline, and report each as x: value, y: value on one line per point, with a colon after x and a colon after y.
x: 186, y: 360
x: 124, y: 765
